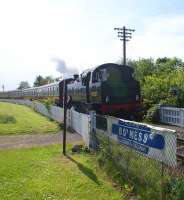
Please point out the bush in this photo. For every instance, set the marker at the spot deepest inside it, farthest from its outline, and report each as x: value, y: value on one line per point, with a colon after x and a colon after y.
x: 7, y: 119
x: 153, y: 114
x: 174, y: 189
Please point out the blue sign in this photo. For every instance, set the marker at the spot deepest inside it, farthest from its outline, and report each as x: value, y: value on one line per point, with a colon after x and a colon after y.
x: 137, y: 136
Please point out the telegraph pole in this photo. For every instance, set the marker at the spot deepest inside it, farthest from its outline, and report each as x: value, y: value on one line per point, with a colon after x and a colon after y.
x: 3, y: 88
x: 125, y: 34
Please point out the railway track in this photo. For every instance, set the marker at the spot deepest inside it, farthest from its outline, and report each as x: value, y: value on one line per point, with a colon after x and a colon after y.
x: 180, y: 150
x: 180, y: 142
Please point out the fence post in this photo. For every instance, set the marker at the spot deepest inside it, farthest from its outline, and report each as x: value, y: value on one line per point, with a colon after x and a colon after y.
x: 92, y: 135
x: 70, y: 122
x: 162, y: 182
x: 161, y: 114
x: 181, y: 117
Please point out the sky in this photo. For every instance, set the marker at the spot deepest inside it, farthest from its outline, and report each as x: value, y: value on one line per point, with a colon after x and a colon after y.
x: 37, y: 34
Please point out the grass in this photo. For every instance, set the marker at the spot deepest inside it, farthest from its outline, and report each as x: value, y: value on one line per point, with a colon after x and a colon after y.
x: 44, y: 174
x: 17, y: 119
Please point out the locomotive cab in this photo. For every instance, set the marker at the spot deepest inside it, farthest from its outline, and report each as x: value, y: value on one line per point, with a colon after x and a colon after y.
x: 114, y: 89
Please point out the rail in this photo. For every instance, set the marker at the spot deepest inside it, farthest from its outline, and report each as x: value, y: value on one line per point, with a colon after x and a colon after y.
x: 180, y: 150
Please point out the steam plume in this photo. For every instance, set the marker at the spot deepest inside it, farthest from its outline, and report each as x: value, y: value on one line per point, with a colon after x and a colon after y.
x: 63, y: 68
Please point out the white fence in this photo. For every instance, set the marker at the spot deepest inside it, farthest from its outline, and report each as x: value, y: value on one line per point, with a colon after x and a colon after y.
x: 118, y: 129
x: 172, y: 115
x: 81, y: 124
x: 153, y: 142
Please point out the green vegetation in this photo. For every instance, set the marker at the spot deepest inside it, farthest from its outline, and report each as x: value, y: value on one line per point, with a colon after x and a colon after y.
x: 48, y: 102
x: 162, y: 83
x: 43, y: 173
x: 39, y: 81
x: 16, y: 119
x: 6, y: 119
x: 23, y: 85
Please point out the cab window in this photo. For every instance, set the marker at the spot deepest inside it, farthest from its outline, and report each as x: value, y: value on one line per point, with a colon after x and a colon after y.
x: 85, y: 78
x: 100, y: 75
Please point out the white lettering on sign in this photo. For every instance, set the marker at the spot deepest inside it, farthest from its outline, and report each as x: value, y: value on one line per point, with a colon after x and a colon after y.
x: 133, y: 135
x: 152, y: 142
x: 140, y: 137
x: 145, y: 138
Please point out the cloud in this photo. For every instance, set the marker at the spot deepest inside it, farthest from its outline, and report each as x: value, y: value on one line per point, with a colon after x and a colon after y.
x: 34, y: 32
x: 161, y: 37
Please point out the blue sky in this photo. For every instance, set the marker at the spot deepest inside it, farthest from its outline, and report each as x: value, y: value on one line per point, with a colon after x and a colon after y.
x: 35, y: 33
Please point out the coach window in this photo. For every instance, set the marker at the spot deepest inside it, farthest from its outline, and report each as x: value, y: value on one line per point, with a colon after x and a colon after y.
x: 55, y: 91
x: 84, y: 80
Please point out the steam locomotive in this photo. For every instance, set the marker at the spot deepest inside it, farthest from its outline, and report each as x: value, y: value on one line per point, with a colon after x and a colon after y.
x: 109, y: 89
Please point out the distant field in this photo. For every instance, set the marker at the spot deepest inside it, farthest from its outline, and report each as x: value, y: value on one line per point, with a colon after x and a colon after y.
x: 17, y: 119
x: 45, y: 174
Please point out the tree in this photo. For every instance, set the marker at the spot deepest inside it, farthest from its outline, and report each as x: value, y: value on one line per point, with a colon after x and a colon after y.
x: 23, y: 85
x: 167, y: 65
x: 173, y: 62
x: 39, y: 81
x: 142, y: 68
x: 161, y: 81
x: 43, y: 81
x: 49, y: 79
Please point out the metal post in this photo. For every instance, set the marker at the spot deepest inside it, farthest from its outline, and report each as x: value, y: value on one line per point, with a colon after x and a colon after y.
x: 92, y: 137
x: 65, y: 116
x: 162, y: 182
x: 124, y: 46
x: 3, y: 88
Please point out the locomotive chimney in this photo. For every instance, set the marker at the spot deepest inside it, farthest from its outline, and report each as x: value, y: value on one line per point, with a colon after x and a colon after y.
x: 75, y: 76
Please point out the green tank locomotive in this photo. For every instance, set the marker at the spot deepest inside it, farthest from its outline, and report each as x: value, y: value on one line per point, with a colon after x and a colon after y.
x: 109, y: 89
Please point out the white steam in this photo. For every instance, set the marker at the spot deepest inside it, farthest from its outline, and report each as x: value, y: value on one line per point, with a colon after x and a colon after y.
x: 63, y: 68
